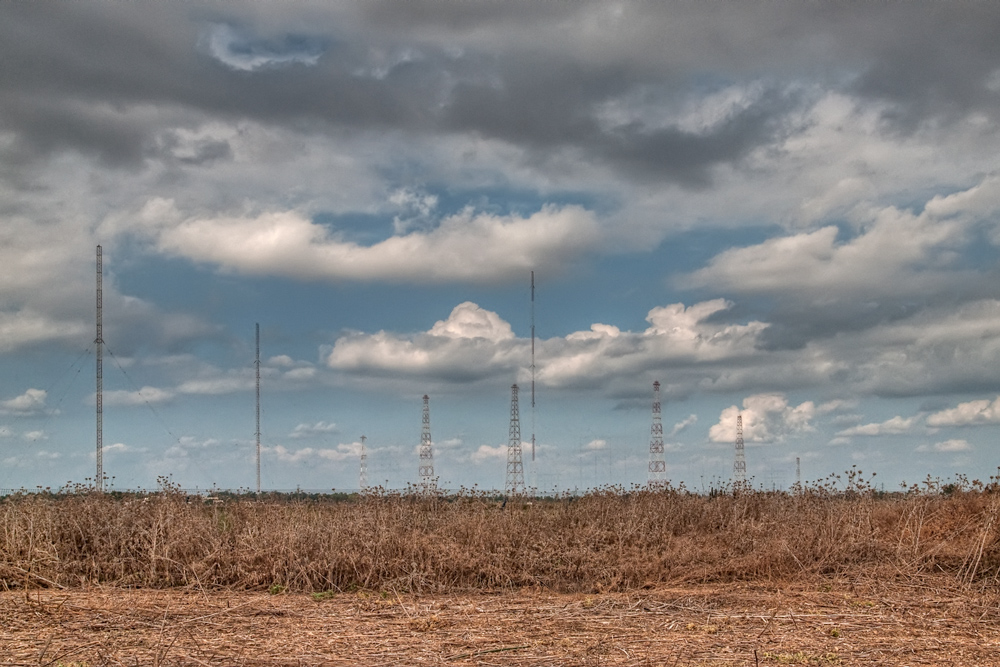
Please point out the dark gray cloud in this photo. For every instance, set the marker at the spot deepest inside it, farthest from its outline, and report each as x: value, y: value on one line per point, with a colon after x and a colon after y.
x: 84, y: 77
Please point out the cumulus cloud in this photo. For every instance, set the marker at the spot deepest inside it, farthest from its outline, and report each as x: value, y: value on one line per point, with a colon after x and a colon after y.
x: 485, y: 454
x: 470, y: 344
x: 965, y: 414
x: 766, y: 418
x: 946, y: 446
x: 896, y: 252
x: 474, y: 343
x: 467, y: 246
x: 35, y: 435
x: 312, y: 430
x: 31, y: 402
x: 595, y: 445
x: 306, y: 454
x: 895, y: 426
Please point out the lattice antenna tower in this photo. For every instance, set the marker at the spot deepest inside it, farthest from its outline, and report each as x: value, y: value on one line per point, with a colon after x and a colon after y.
x: 427, y: 483
x: 99, y: 343
x: 740, y: 463
x: 363, y: 476
x: 657, y: 476
x: 798, y: 476
x: 515, y: 469
x: 256, y: 364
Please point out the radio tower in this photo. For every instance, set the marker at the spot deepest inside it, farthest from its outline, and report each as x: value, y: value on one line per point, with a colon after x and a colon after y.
x: 426, y: 453
x: 657, y: 466
x: 798, y: 476
x: 515, y: 469
x: 363, y: 477
x: 740, y: 464
x: 257, y: 366
x: 534, y: 468
x: 99, y: 342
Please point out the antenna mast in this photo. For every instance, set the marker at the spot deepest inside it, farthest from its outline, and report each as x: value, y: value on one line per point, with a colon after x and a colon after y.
x: 534, y: 468
x: 99, y: 342
x: 798, y: 476
x: 515, y: 469
x: 257, y: 367
x: 740, y: 464
x: 657, y: 466
x: 426, y: 453
x: 363, y: 478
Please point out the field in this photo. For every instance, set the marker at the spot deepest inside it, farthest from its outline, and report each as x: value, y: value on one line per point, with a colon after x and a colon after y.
x: 838, y: 573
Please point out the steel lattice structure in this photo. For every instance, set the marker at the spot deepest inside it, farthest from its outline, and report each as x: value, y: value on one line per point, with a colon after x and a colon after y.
x: 515, y: 468
x: 427, y: 482
x: 657, y: 477
x: 740, y: 463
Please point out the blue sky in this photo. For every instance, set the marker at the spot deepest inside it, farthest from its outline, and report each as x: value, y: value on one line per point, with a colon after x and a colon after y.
x: 783, y: 211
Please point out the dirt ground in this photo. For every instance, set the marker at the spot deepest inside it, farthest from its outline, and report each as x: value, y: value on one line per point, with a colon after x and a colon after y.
x: 824, y: 623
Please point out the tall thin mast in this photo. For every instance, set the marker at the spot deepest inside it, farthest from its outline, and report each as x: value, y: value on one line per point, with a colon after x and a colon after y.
x: 532, y: 366
x: 257, y: 366
x: 99, y: 342
x: 363, y: 475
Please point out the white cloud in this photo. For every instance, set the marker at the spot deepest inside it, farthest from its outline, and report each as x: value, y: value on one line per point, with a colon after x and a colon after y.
x: 894, y: 252
x: 595, y: 445
x: 35, y: 435
x: 485, y: 453
x: 470, y: 344
x: 306, y: 454
x: 766, y: 418
x: 946, y: 446
x: 145, y: 395
x: 973, y: 412
x: 467, y: 246
x: 31, y: 402
x: 683, y: 424
x: 895, y: 426
x: 312, y: 430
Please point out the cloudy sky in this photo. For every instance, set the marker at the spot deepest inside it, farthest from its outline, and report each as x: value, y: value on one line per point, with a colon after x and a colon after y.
x: 789, y: 211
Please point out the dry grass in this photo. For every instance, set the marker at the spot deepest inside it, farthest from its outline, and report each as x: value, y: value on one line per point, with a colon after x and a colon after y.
x: 602, y: 542
x: 838, y: 622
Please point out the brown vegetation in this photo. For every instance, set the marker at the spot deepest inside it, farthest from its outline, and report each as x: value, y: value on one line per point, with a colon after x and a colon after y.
x: 604, y: 541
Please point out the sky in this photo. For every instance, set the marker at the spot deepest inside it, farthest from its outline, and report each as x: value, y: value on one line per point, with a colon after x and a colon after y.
x: 784, y: 211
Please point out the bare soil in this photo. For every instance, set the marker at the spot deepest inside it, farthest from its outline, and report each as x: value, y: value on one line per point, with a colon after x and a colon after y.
x: 925, y: 621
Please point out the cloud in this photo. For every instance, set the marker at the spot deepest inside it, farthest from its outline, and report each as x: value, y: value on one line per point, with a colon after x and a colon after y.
x: 35, y: 435
x: 313, y: 430
x: 31, y: 402
x: 307, y: 454
x: 485, y: 454
x: 766, y: 418
x: 946, y: 446
x: 146, y: 395
x: 595, y: 445
x: 965, y: 414
x: 243, y: 52
x: 895, y: 426
x: 464, y: 247
x: 471, y: 344
x: 682, y: 425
